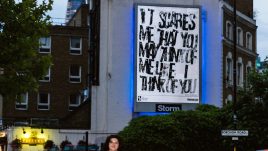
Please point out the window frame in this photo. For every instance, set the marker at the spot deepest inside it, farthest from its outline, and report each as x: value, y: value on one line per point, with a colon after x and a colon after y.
x: 229, y: 67
x: 74, y: 50
x: 229, y: 99
x: 2, y: 71
x: 45, y: 47
x: 47, y: 76
x: 72, y: 106
x: 239, y: 37
x: 240, y: 72
x: 229, y: 30
x: 39, y: 104
x: 75, y: 76
x: 24, y: 102
x: 248, y: 69
x: 249, y: 40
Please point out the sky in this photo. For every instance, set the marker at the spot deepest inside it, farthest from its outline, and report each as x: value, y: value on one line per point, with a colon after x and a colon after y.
x: 58, y: 11
x: 260, y: 7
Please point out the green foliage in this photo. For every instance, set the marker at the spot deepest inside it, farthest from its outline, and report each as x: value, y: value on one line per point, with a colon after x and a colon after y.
x: 252, y: 108
x: 200, y: 129
x: 21, y: 26
x: 184, y: 130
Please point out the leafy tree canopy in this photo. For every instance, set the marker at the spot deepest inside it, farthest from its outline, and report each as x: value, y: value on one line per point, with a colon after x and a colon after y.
x: 22, y: 23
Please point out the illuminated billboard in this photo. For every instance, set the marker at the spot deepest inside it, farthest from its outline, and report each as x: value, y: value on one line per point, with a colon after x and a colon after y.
x: 167, y: 54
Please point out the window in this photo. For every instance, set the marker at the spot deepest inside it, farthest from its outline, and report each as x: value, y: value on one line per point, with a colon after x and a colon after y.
x: 74, y: 101
x: 229, y: 69
x: 1, y: 71
x: 46, y: 78
x: 248, y: 69
x: 239, y: 38
x: 229, y: 99
x: 44, y: 45
x: 249, y: 40
x: 75, y: 45
x: 229, y: 30
x: 2, y: 24
x: 22, y: 102
x: 75, y: 74
x: 239, y: 72
x: 43, y: 101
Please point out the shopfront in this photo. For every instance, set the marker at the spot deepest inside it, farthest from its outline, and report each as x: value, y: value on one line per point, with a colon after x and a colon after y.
x: 33, y: 139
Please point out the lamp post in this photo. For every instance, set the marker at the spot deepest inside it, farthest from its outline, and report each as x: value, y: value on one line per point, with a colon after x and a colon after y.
x: 234, y: 70
x: 90, y: 59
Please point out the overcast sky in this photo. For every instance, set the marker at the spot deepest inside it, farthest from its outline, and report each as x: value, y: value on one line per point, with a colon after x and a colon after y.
x: 260, y: 7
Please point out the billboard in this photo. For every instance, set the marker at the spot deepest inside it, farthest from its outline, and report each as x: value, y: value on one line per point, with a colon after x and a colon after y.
x: 167, y: 54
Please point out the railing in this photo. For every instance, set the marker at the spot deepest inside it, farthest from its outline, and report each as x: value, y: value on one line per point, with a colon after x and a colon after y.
x: 81, y: 148
x: 58, y: 21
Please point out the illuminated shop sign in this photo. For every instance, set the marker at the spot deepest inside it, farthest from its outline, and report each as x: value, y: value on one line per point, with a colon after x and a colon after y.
x: 32, y: 137
x: 33, y: 141
x: 167, y: 54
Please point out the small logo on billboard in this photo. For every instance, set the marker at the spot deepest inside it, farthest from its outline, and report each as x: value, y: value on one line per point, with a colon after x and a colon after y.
x: 139, y: 98
x: 142, y: 99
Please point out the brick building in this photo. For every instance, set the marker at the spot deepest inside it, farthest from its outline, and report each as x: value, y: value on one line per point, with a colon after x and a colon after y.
x: 61, y: 102
x: 246, y: 45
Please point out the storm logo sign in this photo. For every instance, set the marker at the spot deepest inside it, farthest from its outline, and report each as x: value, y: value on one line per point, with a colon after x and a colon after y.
x: 167, y: 54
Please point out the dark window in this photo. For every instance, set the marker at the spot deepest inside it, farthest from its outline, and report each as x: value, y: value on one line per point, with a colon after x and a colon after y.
x: 74, y: 101
x: 75, y: 73
x: 75, y: 45
x: 43, y: 101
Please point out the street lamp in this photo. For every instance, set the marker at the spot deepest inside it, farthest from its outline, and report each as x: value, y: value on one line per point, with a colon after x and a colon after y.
x: 234, y: 73
x: 234, y: 66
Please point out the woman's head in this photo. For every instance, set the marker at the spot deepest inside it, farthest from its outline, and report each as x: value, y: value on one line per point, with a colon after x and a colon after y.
x: 112, y: 143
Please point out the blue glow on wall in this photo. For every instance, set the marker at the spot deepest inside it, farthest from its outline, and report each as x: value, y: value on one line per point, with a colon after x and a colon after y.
x: 132, y: 70
x: 204, y: 58
x: 152, y: 113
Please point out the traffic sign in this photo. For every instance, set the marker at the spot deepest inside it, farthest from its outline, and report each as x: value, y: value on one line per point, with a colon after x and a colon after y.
x: 234, y: 132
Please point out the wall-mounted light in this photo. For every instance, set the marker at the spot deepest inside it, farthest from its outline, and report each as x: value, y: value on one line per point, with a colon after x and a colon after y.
x: 23, y: 130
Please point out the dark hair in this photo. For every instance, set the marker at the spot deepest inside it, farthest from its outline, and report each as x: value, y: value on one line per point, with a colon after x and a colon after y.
x: 106, y: 145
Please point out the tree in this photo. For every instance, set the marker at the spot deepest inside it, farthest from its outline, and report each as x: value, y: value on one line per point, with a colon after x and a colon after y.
x: 22, y: 23
x: 252, y: 108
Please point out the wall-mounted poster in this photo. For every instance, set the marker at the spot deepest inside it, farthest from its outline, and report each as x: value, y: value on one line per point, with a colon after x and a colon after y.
x: 167, y: 54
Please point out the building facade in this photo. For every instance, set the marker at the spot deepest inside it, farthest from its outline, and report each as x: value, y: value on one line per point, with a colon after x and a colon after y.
x: 246, y: 51
x: 72, y: 7
x: 113, y: 100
